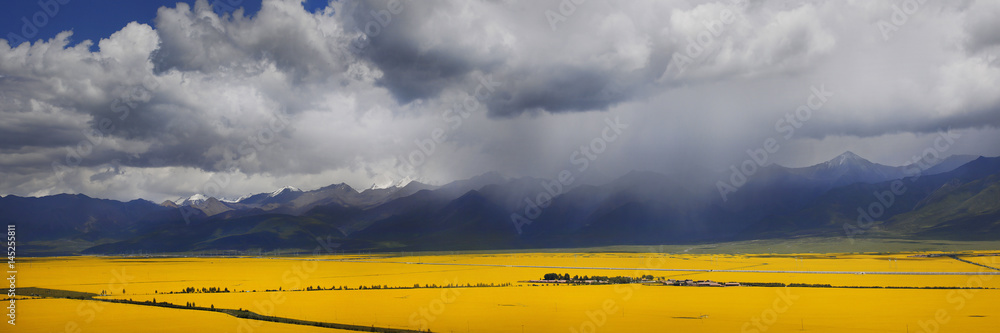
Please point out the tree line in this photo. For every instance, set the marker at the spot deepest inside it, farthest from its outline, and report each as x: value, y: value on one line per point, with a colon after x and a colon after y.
x: 597, y: 278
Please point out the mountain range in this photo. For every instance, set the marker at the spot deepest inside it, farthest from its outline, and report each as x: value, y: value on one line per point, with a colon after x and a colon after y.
x: 848, y: 196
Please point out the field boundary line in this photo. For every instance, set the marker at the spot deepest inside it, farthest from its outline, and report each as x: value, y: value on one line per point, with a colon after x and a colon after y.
x: 45, y: 293
x: 974, y: 263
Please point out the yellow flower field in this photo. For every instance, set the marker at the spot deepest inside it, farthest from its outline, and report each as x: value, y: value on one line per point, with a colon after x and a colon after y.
x: 62, y: 315
x: 527, y: 306
x: 632, y: 308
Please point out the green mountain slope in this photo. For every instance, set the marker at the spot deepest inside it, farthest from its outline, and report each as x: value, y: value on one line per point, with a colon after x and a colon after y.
x: 955, y: 210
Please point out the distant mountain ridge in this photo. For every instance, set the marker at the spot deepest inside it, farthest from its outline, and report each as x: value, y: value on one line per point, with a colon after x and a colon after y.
x: 948, y: 200
x: 291, y: 200
x: 950, y: 163
x: 849, y: 168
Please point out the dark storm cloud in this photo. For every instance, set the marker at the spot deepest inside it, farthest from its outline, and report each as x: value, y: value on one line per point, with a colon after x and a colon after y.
x: 395, y: 39
x: 426, y: 47
x: 561, y: 89
x: 23, y: 130
x: 348, y: 92
x: 983, y: 27
x: 410, y: 74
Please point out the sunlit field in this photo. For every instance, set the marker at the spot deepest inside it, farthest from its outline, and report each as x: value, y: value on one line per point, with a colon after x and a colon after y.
x: 62, y: 315
x: 491, y: 293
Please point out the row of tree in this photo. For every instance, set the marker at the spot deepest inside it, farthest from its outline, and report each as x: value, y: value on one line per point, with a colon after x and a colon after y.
x: 191, y: 305
x: 191, y: 290
x: 603, y: 279
x: 415, y: 285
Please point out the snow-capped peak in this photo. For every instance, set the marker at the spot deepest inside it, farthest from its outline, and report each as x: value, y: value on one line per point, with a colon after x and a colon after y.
x: 237, y: 200
x: 846, y: 158
x: 283, y: 190
x: 193, y: 200
x: 389, y: 183
x: 403, y: 182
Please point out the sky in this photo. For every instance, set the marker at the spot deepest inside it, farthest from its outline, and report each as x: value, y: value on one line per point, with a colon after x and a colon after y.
x: 164, y: 99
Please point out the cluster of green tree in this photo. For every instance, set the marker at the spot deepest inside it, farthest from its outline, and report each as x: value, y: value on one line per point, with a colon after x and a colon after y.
x: 602, y: 279
x: 192, y: 290
x: 762, y: 284
x: 810, y: 285
x: 191, y: 305
x: 319, y: 288
x: 373, y: 287
x: 417, y: 285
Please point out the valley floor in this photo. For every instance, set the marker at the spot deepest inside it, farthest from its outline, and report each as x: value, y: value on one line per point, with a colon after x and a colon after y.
x: 481, y: 292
